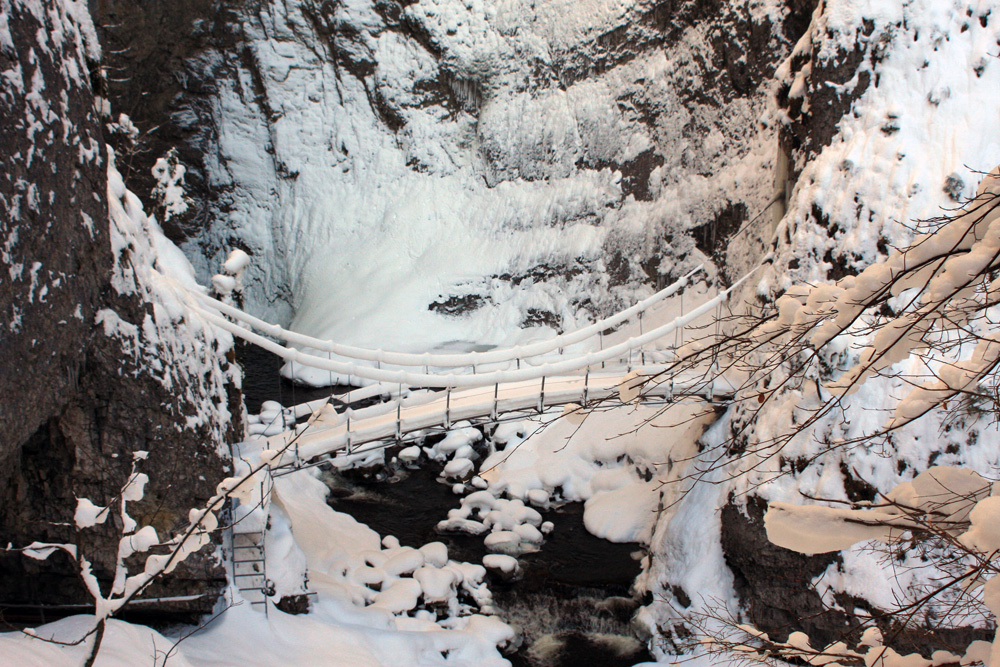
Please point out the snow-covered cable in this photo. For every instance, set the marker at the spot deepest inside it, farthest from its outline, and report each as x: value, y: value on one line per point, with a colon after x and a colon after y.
x: 454, y: 360
x: 415, y: 379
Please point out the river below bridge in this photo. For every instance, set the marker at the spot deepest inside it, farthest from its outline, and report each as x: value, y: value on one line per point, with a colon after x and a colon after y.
x: 572, y: 603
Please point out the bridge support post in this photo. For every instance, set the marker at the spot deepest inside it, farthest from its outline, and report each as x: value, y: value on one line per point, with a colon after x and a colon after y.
x: 541, y: 398
x: 329, y: 357
x: 586, y: 385
x: 495, y: 414
x: 679, y: 331
x: 348, y: 413
x: 447, y: 409
x: 399, y: 415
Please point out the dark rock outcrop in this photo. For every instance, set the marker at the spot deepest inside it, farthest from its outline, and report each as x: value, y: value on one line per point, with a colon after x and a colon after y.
x: 775, y: 584
x: 775, y: 587
x: 80, y: 397
x: 162, y: 62
x: 56, y: 252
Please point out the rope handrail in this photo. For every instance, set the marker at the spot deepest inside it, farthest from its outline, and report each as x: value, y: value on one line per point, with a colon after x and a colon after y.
x: 454, y: 360
x: 432, y: 380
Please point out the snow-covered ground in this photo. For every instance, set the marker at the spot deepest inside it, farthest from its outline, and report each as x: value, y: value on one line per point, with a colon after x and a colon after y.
x: 382, y: 604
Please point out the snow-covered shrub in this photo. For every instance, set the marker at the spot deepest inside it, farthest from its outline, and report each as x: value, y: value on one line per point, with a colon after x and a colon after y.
x: 169, y: 191
x: 135, y: 540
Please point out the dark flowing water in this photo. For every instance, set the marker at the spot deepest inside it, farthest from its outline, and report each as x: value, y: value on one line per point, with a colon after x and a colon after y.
x: 262, y: 380
x: 572, y: 604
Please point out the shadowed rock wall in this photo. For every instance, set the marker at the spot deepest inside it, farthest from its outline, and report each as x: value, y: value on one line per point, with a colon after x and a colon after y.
x: 77, y: 402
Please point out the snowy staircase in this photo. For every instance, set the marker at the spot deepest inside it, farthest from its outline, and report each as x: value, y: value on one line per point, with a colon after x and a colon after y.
x: 249, y: 573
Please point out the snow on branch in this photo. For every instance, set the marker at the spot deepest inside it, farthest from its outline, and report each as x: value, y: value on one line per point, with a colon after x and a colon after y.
x: 951, y: 505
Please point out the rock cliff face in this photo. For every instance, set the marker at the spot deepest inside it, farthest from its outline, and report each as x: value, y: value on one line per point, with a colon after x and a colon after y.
x: 876, y: 133
x: 56, y: 254
x: 162, y: 62
x: 630, y: 131
x: 94, y: 366
x: 558, y: 159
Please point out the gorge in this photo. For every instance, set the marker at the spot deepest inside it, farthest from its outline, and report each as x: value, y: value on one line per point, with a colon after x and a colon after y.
x: 454, y: 176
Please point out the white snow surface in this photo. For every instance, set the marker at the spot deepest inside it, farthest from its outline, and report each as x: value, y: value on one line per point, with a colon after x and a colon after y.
x: 356, y: 228
x: 929, y: 115
x: 183, y: 351
x: 351, y: 244
x: 350, y: 620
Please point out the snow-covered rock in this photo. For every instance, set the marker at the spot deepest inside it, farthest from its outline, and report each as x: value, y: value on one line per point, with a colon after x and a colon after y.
x: 100, y: 358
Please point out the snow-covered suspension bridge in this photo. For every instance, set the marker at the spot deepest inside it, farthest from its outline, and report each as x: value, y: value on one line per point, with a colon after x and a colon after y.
x: 432, y: 391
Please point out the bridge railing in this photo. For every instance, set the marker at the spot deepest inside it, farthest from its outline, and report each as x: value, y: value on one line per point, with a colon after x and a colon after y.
x: 360, y: 432
x: 473, y: 360
x: 426, y: 379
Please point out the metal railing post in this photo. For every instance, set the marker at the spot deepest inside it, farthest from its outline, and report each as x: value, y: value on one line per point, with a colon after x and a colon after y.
x: 495, y: 414
x: 541, y: 397
x: 447, y: 409
x: 680, y: 330
x: 600, y: 335
x: 399, y: 414
x: 642, y: 351
x: 348, y: 413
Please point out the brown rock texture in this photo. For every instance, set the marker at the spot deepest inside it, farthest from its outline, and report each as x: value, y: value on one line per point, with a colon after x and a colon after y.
x: 81, y: 398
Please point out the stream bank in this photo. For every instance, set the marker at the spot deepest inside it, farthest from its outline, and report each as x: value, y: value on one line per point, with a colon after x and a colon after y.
x: 571, y: 604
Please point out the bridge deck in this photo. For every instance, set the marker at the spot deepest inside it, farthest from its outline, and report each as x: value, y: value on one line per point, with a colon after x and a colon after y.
x: 358, y: 431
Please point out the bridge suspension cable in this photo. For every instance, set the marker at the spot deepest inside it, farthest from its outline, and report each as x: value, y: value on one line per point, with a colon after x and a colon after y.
x: 434, y: 380
x: 449, y: 360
